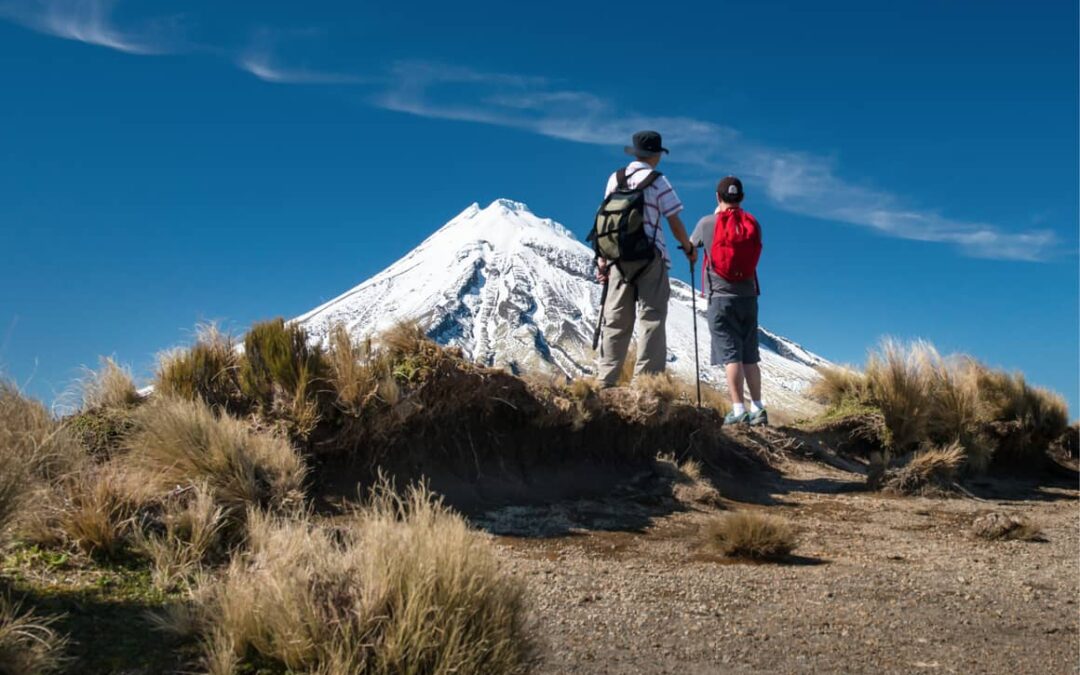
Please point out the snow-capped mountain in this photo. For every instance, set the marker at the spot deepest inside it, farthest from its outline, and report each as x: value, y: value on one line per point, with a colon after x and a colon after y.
x: 516, y: 290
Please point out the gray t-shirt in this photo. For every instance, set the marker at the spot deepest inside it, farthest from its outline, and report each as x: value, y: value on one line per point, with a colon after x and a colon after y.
x: 716, y: 285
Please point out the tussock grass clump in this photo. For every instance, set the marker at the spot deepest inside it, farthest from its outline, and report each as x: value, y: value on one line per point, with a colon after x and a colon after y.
x: 932, y: 471
x: 97, y: 510
x: 29, y: 645
x: 183, y: 443
x: 926, y: 399
x: 689, y: 485
x: 746, y: 534
x: 354, y: 377
x: 208, y: 370
x: 403, y: 586
x: 110, y: 386
x: 1002, y: 526
x: 670, y: 389
x: 193, y: 532
x: 842, y: 384
x: 34, y: 449
x: 30, y: 435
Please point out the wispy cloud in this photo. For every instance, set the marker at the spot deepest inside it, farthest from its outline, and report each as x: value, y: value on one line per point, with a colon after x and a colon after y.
x: 88, y: 21
x: 260, y: 59
x: 798, y: 182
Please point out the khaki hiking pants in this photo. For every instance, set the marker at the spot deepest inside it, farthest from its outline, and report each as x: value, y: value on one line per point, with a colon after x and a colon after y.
x: 648, y: 295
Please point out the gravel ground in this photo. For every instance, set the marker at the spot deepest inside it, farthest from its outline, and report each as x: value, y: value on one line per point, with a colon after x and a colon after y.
x: 879, y: 584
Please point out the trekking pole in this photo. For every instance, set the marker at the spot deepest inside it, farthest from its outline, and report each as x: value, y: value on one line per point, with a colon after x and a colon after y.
x: 697, y: 361
x: 600, y: 319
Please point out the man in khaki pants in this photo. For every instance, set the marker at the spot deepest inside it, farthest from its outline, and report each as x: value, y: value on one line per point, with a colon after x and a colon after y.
x: 641, y: 286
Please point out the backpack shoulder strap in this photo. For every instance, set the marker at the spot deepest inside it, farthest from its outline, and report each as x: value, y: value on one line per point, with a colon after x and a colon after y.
x: 620, y: 179
x: 649, y: 180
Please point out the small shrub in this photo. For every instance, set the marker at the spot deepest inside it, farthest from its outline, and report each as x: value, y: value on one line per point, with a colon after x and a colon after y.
x: 1000, y: 526
x: 747, y: 534
x: 283, y: 373
x: 208, y: 370
x: 100, y: 431
x: 29, y: 645
x: 405, y: 586
x: 184, y: 443
x: 110, y: 386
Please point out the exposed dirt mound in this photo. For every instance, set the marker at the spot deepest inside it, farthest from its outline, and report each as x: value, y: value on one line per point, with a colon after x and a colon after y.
x: 484, y: 437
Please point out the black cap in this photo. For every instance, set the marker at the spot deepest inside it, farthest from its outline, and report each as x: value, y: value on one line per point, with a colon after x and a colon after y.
x: 730, y: 190
x: 646, y: 144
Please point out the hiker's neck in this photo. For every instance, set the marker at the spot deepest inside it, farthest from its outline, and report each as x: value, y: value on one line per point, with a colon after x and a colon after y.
x: 651, y: 161
x: 724, y: 206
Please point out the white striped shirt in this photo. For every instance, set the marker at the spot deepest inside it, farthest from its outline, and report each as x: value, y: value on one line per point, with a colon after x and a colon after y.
x: 660, y: 200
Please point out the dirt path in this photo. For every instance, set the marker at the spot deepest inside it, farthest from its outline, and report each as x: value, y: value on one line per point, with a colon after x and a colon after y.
x: 881, y: 585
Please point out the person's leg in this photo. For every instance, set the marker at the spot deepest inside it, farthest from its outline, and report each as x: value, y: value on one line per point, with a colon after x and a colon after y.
x: 751, y: 360
x: 654, y: 291
x: 735, y: 384
x: 618, y: 329
x: 752, y: 372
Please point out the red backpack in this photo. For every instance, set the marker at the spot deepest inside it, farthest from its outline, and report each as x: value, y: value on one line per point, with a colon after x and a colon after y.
x: 736, y: 246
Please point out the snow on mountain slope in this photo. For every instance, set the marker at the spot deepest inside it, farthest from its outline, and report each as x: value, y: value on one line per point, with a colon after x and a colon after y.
x: 516, y: 290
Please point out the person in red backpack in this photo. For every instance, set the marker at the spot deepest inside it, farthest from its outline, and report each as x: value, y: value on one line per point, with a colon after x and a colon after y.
x: 731, y: 238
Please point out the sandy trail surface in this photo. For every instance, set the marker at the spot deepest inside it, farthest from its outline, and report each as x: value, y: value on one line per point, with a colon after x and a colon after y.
x: 879, y: 584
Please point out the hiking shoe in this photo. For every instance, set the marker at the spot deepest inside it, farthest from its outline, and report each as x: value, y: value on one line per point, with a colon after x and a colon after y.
x: 759, y: 418
x: 732, y: 418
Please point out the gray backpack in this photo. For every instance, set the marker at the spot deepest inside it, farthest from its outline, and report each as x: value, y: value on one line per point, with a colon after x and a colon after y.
x: 618, y: 232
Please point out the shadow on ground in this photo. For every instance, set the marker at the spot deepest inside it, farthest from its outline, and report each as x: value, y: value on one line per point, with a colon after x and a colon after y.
x: 108, y: 625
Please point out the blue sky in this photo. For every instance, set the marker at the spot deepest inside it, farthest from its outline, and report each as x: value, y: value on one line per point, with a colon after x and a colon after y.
x: 914, y: 165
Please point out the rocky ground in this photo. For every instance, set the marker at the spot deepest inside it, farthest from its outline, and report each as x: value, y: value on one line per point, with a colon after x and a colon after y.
x: 878, y: 584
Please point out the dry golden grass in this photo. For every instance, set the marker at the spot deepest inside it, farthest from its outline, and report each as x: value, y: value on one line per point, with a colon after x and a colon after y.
x: 30, y: 434
x: 28, y: 643
x: 403, y: 586
x: 208, y: 370
x: 671, y: 389
x: 927, y: 472
x: 193, y: 525
x: 110, y: 386
x: 34, y: 449
x: 352, y: 376
x: 182, y: 443
x: 838, y: 385
x: 97, y: 509
x: 404, y: 340
x: 746, y: 534
x: 901, y: 386
x: 928, y: 399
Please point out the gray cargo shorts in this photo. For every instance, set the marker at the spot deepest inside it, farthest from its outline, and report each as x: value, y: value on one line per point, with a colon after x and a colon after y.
x: 733, y: 323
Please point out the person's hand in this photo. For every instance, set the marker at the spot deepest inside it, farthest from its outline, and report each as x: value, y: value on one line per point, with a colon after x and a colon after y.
x: 691, y: 253
x: 601, y: 270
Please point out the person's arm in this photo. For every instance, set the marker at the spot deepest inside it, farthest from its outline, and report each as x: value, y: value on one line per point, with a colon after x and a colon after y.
x: 679, y: 231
